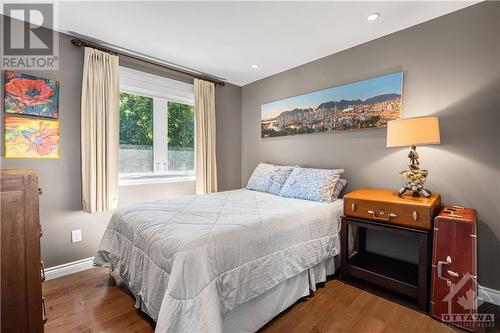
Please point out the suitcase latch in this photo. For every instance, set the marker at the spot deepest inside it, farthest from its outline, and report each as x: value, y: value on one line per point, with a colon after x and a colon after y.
x: 440, y: 271
x: 377, y: 218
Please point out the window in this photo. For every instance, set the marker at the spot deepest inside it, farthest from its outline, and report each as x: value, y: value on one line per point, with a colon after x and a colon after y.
x: 156, y: 128
x: 180, y: 138
x: 136, y: 134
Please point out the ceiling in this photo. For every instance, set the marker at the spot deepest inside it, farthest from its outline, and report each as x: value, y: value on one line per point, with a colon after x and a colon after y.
x: 225, y: 39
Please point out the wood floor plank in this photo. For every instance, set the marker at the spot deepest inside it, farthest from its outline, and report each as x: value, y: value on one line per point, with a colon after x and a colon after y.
x: 92, y: 302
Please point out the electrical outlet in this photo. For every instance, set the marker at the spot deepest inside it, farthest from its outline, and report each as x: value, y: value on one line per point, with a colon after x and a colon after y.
x: 76, y: 235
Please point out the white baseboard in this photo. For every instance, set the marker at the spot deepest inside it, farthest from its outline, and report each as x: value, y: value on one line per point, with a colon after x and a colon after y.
x: 69, y: 268
x: 489, y: 295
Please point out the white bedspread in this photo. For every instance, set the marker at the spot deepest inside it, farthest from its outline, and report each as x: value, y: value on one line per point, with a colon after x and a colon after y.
x: 192, y: 259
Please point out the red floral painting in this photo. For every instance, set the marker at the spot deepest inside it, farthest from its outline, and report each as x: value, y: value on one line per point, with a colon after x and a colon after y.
x: 31, y: 95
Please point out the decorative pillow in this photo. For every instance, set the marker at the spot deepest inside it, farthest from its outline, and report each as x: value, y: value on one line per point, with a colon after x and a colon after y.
x: 269, y: 178
x: 339, y: 187
x: 311, y: 184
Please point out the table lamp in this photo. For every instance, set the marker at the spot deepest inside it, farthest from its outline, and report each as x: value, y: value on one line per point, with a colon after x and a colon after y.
x: 411, y: 132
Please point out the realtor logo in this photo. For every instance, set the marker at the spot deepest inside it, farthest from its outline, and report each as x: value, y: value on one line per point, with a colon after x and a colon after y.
x: 469, y: 289
x: 28, y: 38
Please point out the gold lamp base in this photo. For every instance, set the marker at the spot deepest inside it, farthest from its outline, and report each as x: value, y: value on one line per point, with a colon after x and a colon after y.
x: 414, y: 178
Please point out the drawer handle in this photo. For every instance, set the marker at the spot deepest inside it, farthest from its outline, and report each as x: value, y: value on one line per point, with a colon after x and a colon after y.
x: 353, y: 207
x: 375, y: 217
x: 415, y: 215
x: 44, y: 312
x: 42, y: 268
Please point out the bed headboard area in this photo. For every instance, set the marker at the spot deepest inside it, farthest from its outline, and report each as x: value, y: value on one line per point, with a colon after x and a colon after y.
x: 437, y: 83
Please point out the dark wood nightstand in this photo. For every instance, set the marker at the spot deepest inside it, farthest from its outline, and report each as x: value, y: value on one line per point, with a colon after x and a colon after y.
x: 384, y: 211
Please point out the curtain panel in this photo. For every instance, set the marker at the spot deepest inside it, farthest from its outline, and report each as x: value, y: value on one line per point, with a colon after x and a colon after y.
x: 99, y: 131
x: 206, y: 164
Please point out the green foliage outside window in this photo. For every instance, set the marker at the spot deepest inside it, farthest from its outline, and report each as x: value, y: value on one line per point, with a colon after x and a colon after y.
x: 180, y: 126
x: 136, y: 120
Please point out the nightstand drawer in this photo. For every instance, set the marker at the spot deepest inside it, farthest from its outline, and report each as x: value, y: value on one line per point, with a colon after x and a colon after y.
x: 386, y: 206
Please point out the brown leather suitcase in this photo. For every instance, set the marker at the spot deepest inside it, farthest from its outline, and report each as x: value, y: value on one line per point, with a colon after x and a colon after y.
x: 454, y: 267
x: 386, y: 206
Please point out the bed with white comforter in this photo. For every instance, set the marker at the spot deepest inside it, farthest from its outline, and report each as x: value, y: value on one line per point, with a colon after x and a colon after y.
x: 193, y: 259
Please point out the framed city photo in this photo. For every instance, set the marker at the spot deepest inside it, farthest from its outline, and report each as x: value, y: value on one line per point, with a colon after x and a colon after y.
x: 363, y: 104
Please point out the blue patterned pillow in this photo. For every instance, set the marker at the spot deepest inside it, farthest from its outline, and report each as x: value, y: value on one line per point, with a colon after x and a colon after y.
x: 269, y: 178
x: 311, y: 184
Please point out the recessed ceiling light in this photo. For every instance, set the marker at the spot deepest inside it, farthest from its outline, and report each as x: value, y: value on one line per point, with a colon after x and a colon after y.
x: 254, y: 66
x: 373, y: 16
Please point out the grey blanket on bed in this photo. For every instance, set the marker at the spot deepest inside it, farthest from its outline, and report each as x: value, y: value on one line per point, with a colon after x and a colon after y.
x: 192, y: 259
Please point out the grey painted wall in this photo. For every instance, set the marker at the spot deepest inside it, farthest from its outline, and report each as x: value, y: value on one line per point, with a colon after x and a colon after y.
x: 228, y: 106
x: 451, y: 69
x: 60, y: 204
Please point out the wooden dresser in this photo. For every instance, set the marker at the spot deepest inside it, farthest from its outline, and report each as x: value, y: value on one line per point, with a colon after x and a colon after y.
x: 21, y: 271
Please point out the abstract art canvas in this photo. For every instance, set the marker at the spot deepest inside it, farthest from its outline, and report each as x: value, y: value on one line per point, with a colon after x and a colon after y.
x: 31, y: 95
x: 31, y: 137
x: 363, y: 104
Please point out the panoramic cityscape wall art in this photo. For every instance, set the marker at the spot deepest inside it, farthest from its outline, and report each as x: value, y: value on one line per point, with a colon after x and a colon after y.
x: 364, y: 104
x: 31, y: 95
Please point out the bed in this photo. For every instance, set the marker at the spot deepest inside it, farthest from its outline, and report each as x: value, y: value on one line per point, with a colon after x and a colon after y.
x: 228, y: 261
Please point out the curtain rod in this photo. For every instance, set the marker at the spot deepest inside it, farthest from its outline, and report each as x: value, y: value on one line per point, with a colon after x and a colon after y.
x: 80, y: 42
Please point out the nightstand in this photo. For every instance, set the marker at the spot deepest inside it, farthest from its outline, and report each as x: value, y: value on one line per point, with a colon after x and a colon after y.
x: 385, y: 211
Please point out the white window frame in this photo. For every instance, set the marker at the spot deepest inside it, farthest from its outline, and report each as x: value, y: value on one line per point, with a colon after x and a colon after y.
x: 162, y: 90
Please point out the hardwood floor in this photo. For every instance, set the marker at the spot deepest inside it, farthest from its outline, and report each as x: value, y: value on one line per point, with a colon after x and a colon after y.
x: 92, y: 301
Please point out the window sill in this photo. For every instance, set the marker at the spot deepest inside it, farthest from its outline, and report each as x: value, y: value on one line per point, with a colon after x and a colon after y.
x: 154, y: 180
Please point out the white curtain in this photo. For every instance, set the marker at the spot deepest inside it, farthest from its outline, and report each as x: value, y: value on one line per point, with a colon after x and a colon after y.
x: 99, y: 131
x: 206, y: 164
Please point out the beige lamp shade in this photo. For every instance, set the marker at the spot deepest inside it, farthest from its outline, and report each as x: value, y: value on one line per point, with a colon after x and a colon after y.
x: 413, y: 132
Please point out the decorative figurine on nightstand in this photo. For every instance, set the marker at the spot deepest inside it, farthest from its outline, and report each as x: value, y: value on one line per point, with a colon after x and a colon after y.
x: 412, y: 132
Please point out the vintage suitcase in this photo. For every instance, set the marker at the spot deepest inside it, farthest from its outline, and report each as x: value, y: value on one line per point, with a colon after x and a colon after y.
x: 386, y: 206
x: 454, y: 267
